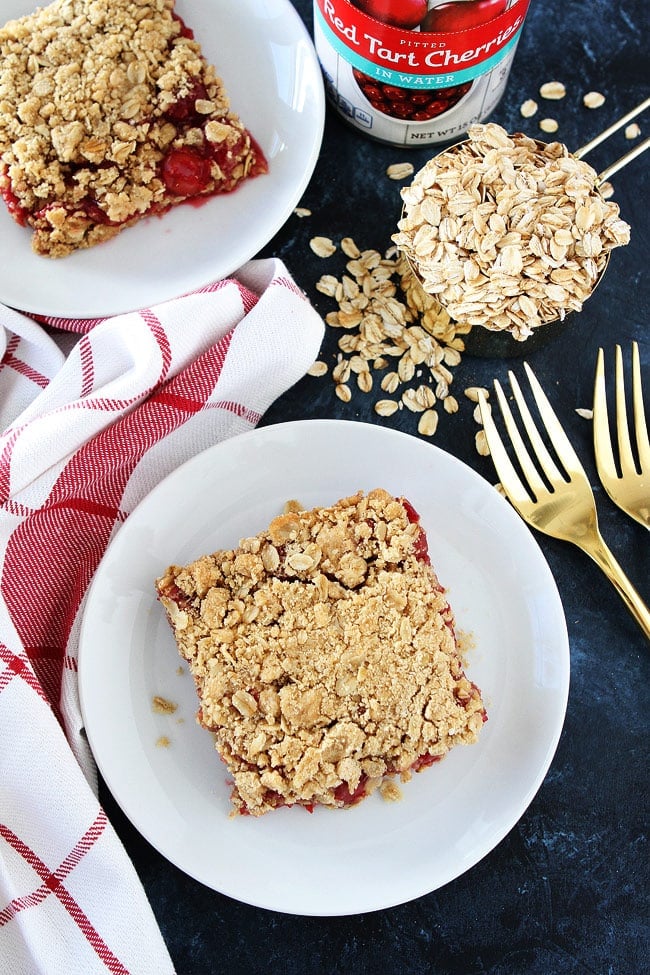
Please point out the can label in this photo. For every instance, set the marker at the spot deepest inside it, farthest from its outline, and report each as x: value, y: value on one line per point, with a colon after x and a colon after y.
x: 408, y: 72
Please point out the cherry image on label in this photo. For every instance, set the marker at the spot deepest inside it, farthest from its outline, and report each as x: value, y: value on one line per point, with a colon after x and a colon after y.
x: 407, y: 14
x: 406, y: 104
x: 462, y: 14
x: 421, y: 106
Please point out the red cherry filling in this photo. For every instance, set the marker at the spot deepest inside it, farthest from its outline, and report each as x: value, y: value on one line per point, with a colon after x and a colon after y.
x: 95, y: 213
x: 421, y: 546
x: 17, y: 211
x: 185, y: 172
x: 185, y: 30
x: 183, y: 109
x: 343, y: 794
x: 424, y: 761
x: 177, y: 596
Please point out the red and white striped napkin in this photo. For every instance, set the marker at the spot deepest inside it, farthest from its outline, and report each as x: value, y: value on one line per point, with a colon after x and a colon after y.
x: 87, y: 433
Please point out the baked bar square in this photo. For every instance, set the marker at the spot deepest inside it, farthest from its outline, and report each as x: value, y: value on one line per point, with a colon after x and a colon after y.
x: 108, y: 112
x: 324, y: 654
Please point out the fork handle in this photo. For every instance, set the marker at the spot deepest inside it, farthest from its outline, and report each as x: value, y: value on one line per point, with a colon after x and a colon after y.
x: 603, y: 557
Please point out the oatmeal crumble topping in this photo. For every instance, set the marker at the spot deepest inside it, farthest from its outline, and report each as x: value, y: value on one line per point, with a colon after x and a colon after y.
x: 324, y: 654
x: 108, y: 111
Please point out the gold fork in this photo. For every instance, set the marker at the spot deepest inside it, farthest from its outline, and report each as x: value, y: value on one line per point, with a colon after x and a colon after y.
x: 563, y: 506
x: 630, y: 489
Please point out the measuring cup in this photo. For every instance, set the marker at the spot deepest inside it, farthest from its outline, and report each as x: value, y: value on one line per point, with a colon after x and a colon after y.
x: 483, y: 341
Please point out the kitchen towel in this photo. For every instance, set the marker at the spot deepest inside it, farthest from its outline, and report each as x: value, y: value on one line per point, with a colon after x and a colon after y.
x: 91, y: 423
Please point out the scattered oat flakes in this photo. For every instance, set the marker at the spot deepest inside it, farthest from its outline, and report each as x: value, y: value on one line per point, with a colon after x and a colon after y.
x: 549, y: 125
x: 390, y: 382
x: 162, y: 706
x: 633, y: 130
x: 426, y: 396
x: 364, y: 381
x: 428, y: 423
x: 481, y: 443
x: 553, y: 90
x: 400, y: 170
x: 450, y: 404
x: 472, y: 393
x: 411, y: 401
x: 593, y: 99
x: 586, y: 414
x: 322, y: 246
x: 341, y: 372
x: 528, y: 108
x: 317, y: 368
x: 358, y: 364
x: 302, y: 212
x: 391, y: 327
x: 478, y: 414
x: 386, y: 407
x: 328, y: 285
x: 350, y: 249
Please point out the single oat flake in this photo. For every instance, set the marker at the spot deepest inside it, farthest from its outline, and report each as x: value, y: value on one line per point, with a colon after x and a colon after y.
x: 593, y: 99
x: 322, y: 246
x: 553, y: 90
x: 317, y: 368
x: 528, y: 108
x: 400, y: 170
x: 386, y: 407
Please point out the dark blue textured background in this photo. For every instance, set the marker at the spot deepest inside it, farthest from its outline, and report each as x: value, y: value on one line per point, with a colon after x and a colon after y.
x: 566, y: 892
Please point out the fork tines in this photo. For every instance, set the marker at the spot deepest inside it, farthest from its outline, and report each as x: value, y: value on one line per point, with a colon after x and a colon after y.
x: 628, y: 482
x: 510, y: 480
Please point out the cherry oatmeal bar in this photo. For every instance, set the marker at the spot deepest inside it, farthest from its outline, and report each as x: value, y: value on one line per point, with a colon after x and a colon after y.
x: 324, y: 654
x: 108, y: 112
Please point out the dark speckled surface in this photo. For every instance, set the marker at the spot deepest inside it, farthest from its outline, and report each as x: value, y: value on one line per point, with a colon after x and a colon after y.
x: 566, y: 892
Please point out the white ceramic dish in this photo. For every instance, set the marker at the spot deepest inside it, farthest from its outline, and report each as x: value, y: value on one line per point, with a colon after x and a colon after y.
x: 376, y: 854
x: 267, y: 61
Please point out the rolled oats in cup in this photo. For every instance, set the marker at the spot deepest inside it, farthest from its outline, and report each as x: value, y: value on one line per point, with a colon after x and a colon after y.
x: 508, y: 233
x: 416, y: 72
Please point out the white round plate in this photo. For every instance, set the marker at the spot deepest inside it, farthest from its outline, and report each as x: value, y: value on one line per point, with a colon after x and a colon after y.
x: 267, y: 61
x: 376, y: 854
